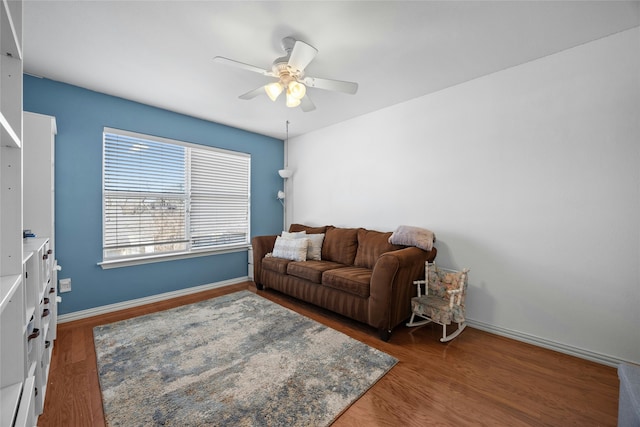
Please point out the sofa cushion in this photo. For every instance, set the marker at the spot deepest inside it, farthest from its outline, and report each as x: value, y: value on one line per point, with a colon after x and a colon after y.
x: 279, y: 265
x: 354, y: 280
x: 311, y: 270
x: 293, y: 249
x: 372, y: 244
x: 293, y: 228
x: 314, y: 250
x: 340, y: 245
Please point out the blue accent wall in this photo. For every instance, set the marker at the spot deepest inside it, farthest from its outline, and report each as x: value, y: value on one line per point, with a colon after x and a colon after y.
x: 81, y: 115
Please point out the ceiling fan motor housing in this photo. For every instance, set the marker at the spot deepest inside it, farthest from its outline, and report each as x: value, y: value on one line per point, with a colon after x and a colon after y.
x: 283, y: 71
x: 287, y: 44
x: 279, y: 64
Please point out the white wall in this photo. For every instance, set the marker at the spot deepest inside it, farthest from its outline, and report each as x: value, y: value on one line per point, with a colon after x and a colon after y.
x: 529, y: 176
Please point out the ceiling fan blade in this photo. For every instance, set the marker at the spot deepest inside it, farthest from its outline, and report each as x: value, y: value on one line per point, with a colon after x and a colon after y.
x: 334, y: 85
x: 253, y: 93
x: 301, y: 55
x: 238, y: 64
x: 306, y: 104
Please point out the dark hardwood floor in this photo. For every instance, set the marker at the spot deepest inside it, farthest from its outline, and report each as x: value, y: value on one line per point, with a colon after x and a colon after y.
x: 477, y: 379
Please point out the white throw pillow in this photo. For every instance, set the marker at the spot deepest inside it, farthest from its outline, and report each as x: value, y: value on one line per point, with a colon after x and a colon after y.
x: 315, y: 246
x: 293, y: 249
x: 294, y: 235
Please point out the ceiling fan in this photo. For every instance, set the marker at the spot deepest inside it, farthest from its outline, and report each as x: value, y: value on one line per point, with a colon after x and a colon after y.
x: 290, y: 75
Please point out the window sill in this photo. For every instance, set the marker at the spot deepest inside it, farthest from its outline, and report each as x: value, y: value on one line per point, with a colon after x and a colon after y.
x: 128, y: 262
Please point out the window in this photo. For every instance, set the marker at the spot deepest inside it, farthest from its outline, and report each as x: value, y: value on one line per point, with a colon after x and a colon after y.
x: 166, y: 197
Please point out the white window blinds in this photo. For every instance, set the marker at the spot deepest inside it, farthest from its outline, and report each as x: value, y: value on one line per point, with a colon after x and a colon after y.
x: 163, y: 196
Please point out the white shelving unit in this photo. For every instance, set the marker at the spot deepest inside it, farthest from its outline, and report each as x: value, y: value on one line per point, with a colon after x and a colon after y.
x: 17, y: 388
x: 41, y: 293
x: 28, y: 294
x: 38, y: 216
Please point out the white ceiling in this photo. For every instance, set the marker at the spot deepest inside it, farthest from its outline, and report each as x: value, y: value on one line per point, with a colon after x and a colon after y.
x: 160, y: 52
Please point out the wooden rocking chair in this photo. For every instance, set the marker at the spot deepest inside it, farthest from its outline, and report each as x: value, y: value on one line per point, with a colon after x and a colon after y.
x: 442, y: 301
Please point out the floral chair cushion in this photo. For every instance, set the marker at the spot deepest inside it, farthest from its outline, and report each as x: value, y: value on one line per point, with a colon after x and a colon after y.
x: 437, y: 304
x: 437, y: 309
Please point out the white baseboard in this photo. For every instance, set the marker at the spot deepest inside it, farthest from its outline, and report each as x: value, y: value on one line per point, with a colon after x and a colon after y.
x: 83, y: 314
x: 604, y: 359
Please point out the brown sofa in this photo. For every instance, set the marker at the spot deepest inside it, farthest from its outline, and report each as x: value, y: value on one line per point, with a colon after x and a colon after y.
x: 360, y: 274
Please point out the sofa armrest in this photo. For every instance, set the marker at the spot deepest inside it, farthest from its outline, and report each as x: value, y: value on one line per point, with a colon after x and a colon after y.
x: 392, y: 287
x: 262, y: 245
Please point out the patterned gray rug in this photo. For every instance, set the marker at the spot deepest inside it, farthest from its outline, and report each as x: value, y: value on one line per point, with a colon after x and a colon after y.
x: 237, y: 360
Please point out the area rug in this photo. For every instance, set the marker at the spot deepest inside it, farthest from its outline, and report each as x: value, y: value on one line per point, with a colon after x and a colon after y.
x: 236, y: 360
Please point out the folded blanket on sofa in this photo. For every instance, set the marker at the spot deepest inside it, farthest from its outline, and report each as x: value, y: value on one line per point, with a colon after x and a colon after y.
x: 413, y: 236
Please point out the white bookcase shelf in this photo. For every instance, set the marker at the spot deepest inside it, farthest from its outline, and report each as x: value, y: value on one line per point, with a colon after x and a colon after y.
x: 28, y: 270
x: 10, y: 403
x: 11, y: 15
x: 8, y: 287
x: 15, y: 386
x: 11, y: 72
x: 12, y: 351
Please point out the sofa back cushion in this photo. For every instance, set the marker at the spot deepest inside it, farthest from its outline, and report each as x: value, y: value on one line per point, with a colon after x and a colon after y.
x: 372, y: 244
x: 340, y: 245
x: 294, y: 228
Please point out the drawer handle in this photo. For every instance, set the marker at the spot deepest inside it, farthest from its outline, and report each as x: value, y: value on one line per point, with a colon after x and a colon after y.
x: 45, y: 312
x: 34, y: 334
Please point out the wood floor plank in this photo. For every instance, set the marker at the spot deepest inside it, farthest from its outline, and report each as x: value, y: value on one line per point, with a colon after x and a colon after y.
x: 477, y: 379
x: 91, y: 377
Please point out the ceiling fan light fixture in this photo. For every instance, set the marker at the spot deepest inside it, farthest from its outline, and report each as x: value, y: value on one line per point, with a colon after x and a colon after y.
x: 292, y: 101
x: 273, y: 90
x: 296, y: 89
x: 289, y: 71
